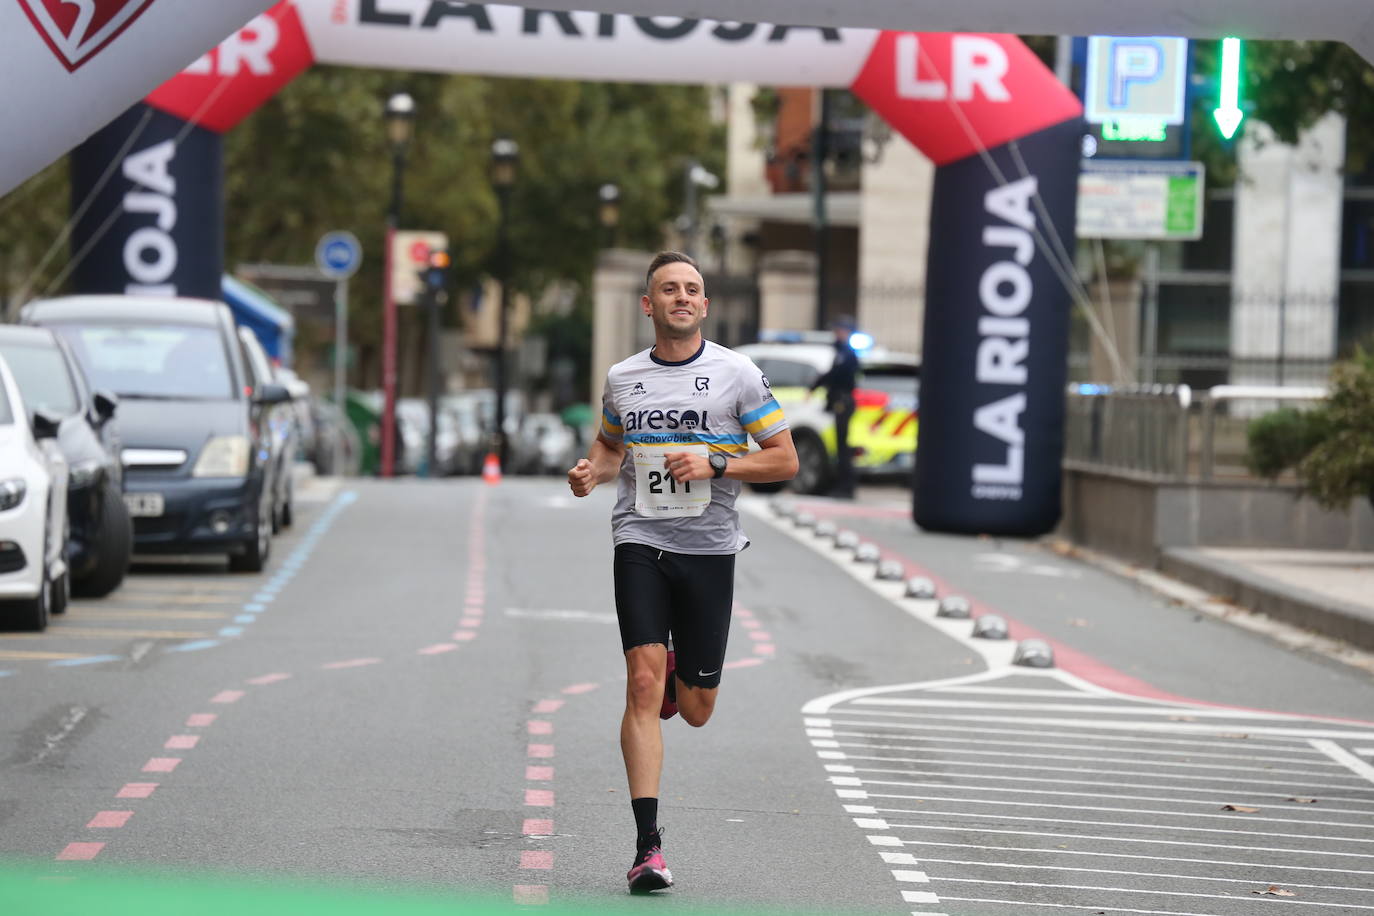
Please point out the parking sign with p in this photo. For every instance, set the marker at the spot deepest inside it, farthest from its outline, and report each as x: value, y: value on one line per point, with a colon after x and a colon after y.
x: 1136, y: 79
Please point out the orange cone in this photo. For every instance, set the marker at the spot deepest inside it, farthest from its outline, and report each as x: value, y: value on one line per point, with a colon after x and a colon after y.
x: 491, y: 469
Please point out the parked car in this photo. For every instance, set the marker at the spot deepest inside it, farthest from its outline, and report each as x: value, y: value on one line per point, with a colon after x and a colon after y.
x: 281, y: 434
x: 882, y: 432
x: 33, y: 512
x: 196, y: 443
x: 101, y: 534
x: 544, y: 445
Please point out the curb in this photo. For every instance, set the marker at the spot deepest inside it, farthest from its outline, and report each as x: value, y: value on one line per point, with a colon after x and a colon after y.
x: 1290, y: 604
x: 1301, y: 637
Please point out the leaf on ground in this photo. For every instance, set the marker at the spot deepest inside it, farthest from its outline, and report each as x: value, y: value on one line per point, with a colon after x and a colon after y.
x: 1183, y: 718
x: 1233, y: 735
x: 1274, y: 890
x: 1303, y: 801
x: 1243, y: 809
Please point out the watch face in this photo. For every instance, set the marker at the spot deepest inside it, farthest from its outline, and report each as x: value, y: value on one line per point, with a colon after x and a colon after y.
x: 718, y: 462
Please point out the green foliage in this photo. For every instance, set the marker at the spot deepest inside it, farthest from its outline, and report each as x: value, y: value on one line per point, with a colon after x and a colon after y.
x: 33, y: 252
x: 1278, y: 441
x: 1290, y: 84
x: 1340, y: 467
x: 1331, y: 447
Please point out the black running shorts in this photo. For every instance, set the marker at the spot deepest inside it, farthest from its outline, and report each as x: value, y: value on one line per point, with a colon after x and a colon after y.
x: 658, y: 592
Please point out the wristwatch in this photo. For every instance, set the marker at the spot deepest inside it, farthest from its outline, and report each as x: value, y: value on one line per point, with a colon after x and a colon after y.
x: 718, y: 464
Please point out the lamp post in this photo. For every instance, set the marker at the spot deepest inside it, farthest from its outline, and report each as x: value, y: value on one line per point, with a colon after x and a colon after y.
x: 400, y: 118
x: 505, y: 154
x: 609, y: 212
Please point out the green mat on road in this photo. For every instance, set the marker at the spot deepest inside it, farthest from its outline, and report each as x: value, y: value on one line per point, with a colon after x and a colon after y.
x: 34, y: 889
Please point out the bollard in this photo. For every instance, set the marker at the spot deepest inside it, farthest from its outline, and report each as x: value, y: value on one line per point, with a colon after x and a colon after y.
x: 920, y: 587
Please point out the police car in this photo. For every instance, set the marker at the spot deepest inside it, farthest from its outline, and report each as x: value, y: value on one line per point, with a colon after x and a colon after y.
x: 882, y: 432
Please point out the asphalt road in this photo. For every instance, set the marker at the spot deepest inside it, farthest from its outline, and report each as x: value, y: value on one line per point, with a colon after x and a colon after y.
x: 423, y: 692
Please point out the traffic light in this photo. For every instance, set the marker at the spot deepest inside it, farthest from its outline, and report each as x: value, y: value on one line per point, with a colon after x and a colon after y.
x: 435, y: 275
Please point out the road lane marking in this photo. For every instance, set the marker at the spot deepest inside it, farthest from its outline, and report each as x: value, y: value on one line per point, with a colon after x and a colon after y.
x: 19, y: 655
x: 351, y: 663
x: 537, y: 827
x: 438, y: 649
x: 80, y: 852
x: 1130, y: 890
x: 530, y: 894
x: 227, y: 696
x: 137, y: 790
x: 577, y: 689
x: 1268, y: 867
x: 109, y: 819
x: 545, y: 706
x: 1134, y: 874
x: 536, y: 858
x: 181, y: 742
x: 201, y: 719
x: 539, y: 798
x: 144, y: 614
x: 161, y: 764
x: 539, y: 751
x: 538, y: 773
x: 1344, y: 758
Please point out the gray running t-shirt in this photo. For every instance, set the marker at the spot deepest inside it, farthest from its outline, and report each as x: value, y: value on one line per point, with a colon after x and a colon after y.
x: 716, y: 399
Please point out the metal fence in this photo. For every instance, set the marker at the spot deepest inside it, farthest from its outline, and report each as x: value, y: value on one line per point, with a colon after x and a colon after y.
x: 1170, y: 432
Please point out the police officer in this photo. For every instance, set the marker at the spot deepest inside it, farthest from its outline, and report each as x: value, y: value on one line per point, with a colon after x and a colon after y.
x: 839, y: 383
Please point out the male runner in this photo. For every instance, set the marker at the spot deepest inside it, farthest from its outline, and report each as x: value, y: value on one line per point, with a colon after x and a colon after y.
x: 673, y: 431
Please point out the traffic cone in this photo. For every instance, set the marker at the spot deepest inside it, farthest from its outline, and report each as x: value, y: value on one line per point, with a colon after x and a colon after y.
x: 491, y: 469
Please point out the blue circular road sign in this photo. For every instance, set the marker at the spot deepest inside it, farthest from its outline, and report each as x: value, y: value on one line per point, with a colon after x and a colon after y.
x: 338, y: 255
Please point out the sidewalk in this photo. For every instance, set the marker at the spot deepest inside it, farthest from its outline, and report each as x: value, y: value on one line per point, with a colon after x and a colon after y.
x: 1327, y: 592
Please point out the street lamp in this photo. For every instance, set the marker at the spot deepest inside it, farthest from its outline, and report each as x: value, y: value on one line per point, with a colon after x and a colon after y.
x: 609, y: 212
x: 400, y: 121
x: 505, y: 155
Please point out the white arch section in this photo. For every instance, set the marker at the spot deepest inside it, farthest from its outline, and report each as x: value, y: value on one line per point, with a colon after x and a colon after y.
x: 62, y: 79
x: 1351, y: 21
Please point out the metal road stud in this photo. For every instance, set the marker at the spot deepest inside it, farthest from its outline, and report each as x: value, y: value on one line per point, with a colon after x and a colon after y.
x: 1033, y: 653
x: 867, y: 553
x: 955, y: 607
x: 920, y: 587
x: 846, y: 540
x: 890, y: 570
x: 826, y: 529
x: 990, y: 626
x: 784, y: 508
x: 805, y: 520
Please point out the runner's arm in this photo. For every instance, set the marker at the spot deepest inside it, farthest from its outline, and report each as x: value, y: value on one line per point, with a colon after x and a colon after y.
x: 601, y: 465
x: 774, y: 462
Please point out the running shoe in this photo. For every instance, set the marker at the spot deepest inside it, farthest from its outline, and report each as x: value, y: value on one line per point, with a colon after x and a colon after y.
x: 649, y: 873
x: 669, y: 707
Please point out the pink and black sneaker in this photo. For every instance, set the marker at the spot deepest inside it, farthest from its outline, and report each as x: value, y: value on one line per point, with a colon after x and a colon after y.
x: 649, y: 873
x: 669, y: 707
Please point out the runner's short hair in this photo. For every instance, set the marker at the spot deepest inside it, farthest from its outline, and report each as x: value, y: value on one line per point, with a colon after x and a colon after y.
x: 666, y: 257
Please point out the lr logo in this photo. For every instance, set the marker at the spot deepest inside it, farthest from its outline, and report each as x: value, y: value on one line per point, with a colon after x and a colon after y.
x: 77, y: 30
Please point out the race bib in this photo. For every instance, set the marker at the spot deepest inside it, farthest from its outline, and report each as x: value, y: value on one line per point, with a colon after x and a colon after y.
x: 658, y: 495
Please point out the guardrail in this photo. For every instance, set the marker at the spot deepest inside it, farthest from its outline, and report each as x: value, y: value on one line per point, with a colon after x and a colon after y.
x: 1152, y: 429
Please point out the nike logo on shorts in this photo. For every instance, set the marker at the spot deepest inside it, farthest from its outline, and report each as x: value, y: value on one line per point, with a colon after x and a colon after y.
x: 701, y: 673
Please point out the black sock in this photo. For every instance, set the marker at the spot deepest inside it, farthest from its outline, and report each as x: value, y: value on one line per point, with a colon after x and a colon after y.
x: 646, y: 816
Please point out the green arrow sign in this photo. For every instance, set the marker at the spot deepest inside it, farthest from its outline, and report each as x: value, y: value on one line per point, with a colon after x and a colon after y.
x: 1228, y: 114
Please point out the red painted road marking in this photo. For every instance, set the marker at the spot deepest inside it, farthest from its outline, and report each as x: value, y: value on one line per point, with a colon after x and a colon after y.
x: 227, y: 696
x: 575, y: 689
x: 161, y: 765
x: 541, y: 774
x: 201, y: 719
x: 540, y: 727
x: 531, y: 894
x: 742, y: 612
x: 539, y: 750
x: 548, y: 705
x: 470, y: 622
x: 136, y: 790
x: 539, y: 798
x: 80, y: 852
x: 536, y: 858
x: 110, y: 819
x: 438, y: 649
x: 351, y: 663
x: 465, y: 636
x: 473, y: 611
x: 766, y: 649
x: 759, y: 636
x: 268, y: 679
x: 743, y: 663
x: 537, y: 826
x: 181, y: 742
x: 750, y: 624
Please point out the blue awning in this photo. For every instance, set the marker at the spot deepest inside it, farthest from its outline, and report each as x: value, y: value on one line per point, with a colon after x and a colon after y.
x: 255, y: 310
